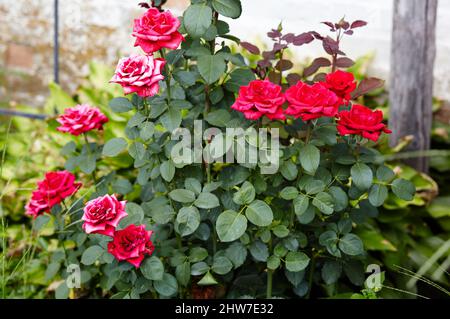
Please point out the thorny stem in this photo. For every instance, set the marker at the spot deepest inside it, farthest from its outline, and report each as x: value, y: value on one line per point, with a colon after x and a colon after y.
x: 90, y: 153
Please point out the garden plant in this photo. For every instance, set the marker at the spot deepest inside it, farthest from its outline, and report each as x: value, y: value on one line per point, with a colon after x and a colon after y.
x: 174, y: 202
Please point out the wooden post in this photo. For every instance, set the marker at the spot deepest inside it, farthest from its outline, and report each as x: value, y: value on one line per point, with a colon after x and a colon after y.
x: 411, y: 82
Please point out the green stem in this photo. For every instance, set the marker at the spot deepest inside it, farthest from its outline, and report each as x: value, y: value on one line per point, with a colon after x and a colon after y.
x: 269, y: 275
x: 90, y: 153
x: 311, y: 275
x: 167, y: 77
x: 308, y: 132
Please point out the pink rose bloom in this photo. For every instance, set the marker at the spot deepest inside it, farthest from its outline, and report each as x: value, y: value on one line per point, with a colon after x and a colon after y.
x: 310, y: 102
x: 140, y: 74
x: 260, y: 98
x: 52, y: 190
x: 131, y: 244
x: 81, y: 119
x: 156, y: 30
x: 103, y: 214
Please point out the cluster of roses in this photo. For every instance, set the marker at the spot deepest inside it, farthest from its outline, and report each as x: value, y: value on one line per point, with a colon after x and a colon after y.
x: 138, y: 74
x: 309, y: 102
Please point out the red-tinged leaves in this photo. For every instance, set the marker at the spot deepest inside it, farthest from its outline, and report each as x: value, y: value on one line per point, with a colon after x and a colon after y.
x: 274, y: 77
x: 274, y: 34
x: 268, y: 55
x: 293, y: 78
x: 358, y: 24
x: 330, y: 24
x: 289, y: 38
x: 303, y: 38
x: 144, y: 5
x: 316, y: 35
x: 316, y: 65
x: 250, y: 47
x: 264, y: 64
x: 279, y: 46
x: 320, y: 77
x: 349, y: 32
x: 366, y: 86
x: 330, y: 46
x: 344, y: 62
x: 284, y: 65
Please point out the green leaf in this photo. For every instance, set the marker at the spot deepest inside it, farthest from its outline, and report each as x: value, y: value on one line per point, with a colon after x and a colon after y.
x: 403, y: 189
x: 197, y: 254
x: 331, y: 271
x: 183, y: 273
x: 351, y: 245
x: 167, y: 170
x: 199, y: 268
x: 188, y: 220
x: 245, y: 195
x: 218, y: 118
x: 193, y: 185
x: 362, y: 175
x: 378, y: 194
x: 87, y: 163
x: 340, y: 198
x: 152, y: 268
x: 230, y: 226
x: 147, y: 131
x: 324, y: 202
x: 280, y: 231
x: 137, y: 150
x: 171, y: 120
x: 221, y: 265
x: 301, y: 204
x: 259, y: 251
x: 314, y: 187
x: 228, y: 8
x: 91, y: 255
x: 273, y: 262
x: 259, y: 213
x: 182, y: 195
x: 385, y: 174
x: 289, y: 170
x: 439, y: 207
x: 237, y: 253
x: 207, y: 201
x: 207, y: 280
x: 373, y: 240
x: 114, y: 146
x: 120, y: 105
x: 197, y: 19
x: 310, y: 158
x: 167, y: 286
x: 289, y: 193
x: 296, y: 261
x: 238, y: 78
x: 211, y: 67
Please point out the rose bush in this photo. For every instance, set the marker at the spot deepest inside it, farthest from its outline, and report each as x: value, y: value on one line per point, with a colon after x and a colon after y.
x: 158, y: 226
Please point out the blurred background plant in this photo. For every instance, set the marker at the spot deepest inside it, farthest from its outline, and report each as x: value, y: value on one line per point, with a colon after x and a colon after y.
x: 402, y: 238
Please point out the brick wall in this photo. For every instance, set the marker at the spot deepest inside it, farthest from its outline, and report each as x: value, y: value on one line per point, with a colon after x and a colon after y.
x: 100, y: 30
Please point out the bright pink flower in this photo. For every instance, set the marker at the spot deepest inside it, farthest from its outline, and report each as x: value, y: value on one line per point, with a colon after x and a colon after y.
x: 310, y: 102
x: 260, y: 98
x: 342, y: 83
x: 80, y: 119
x: 361, y: 120
x: 103, y: 214
x: 131, y: 244
x: 156, y: 30
x: 52, y: 190
x: 140, y: 74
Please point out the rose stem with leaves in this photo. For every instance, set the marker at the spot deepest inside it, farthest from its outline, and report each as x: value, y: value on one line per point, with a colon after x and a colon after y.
x: 269, y: 275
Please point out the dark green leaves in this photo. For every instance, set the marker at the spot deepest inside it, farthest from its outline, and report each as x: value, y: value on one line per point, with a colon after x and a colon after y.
x: 310, y: 158
x: 120, y: 105
x: 378, y: 194
x: 230, y: 225
x: 228, y: 8
x: 206, y: 201
x: 91, y: 254
x: 296, y: 261
x: 182, y: 195
x: 245, y: 195
x: 362, y: 175
x: 188, y: 220
x: 259, y: 213
x: 211, y: 67
x: 403, y: 189
x: 197, y: 19
x: 324, y: 202
x: 351, y: 245
x: 152, y: 268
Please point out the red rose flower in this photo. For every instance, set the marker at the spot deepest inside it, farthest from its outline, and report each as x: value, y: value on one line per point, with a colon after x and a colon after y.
x: 52, y: 190
x: 80, y: 119
x: 156, y: 30
x: 140, y: 74
x: 361, y: 120
x: 342, y: 83
x: 260, y: 98
x: 103, y: 214
x: 131, y: 244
